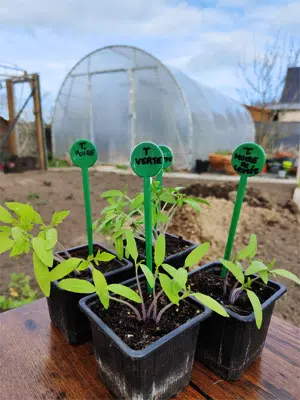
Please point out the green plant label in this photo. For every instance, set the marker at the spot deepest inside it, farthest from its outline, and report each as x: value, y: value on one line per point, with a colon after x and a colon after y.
x: 146, y: 159
x: 168, y: 156
x: 248, y: 159
x: 83, y: 153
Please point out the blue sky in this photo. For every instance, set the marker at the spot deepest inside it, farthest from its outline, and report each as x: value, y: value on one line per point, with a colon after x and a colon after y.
x: 204, y: 38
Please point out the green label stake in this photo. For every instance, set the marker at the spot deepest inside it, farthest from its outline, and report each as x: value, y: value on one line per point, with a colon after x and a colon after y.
x: 146, y: 161
x: 248, y: 160
x: 84, y: 154
x: 168, y: 160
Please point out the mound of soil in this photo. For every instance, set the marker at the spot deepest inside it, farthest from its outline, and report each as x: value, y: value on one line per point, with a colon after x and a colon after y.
x: 278, y: 235
x: 227, y: 190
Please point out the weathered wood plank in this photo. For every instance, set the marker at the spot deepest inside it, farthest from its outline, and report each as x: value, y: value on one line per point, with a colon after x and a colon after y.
x: 36, y: 363
x: 275, y: 375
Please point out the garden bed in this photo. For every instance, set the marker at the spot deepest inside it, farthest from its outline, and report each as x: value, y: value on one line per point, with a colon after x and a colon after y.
x: 277, y: 228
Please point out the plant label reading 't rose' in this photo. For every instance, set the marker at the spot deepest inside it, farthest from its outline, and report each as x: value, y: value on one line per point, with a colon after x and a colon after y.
x: 83, y: 153
x: 248, y: 159
x: 146, y: 159
x: 168, y: 156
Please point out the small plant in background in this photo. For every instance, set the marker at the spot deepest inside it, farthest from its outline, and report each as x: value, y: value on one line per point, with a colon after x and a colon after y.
x: 173, y: 286
x: 33, y: 196
x: 245, y: 279
x: 123, y: 213
x: 20, y: 292
x: 26, y: 231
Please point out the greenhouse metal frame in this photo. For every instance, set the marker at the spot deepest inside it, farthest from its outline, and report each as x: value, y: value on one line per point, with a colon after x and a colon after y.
x: 158, y: 104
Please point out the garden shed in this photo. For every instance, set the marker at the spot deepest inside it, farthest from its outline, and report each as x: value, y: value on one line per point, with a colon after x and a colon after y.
x: 118, y: 96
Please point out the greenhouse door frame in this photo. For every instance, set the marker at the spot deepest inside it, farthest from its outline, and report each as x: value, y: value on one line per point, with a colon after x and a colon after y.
x: 131, y: 100
x: 34, y: 82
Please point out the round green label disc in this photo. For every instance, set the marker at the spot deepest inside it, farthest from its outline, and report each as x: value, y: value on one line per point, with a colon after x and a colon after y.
x: 248, y: 159
x: 168, y: 156
x: 83, y: 153
x: 146, y: 159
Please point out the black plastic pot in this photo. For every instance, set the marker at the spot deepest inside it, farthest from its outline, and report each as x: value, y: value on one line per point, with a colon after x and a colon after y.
x: 201, y: 166
x: 157, y: 372
x: 64, y: 306
x: 228, y: 346
x: 176, y: 260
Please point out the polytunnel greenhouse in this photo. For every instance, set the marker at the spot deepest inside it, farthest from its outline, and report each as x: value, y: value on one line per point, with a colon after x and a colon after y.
x: 119, y: 96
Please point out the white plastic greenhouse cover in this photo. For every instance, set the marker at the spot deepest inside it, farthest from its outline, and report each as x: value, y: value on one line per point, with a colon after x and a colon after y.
x: 119, y: 96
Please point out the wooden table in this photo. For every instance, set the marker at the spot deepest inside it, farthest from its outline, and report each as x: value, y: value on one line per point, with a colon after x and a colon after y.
x: 37, y: 363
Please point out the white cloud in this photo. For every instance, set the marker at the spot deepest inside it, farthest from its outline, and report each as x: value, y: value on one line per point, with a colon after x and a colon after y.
x: 284, y: 16
x: 204, y: 41
x: 96, y: 16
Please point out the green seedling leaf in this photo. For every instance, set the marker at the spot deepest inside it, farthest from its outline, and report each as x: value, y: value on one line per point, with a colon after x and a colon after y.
x: 257, y: 308
x: 119, y: 247
x: 255, y: 267
x: 160, y: 217
x: 148, y: 274
x: 64, y: 268
x: 271, y: 265
x: 124, y: 291
x: 167, y: 198
x: 193, y: 204
x: 99, y: 281
x: 42, y: 275
x: 51, y: 238
x: 77, y: 286
x: 104, y: 297
x: 198, y: 200
x: 248, y: 251
x: 160, y: 250
x: 104, y: 256
x: 131, y: 245
x: 58, y: 217
x: 179, y: 275
x: 21, y: 242
x: 39, y: 246
x: 83, y: 265
x: 170, y: 270
x: 111, y: 193
x: 23, y: 210
x: 264, y: 276
x: 137, y: 201
x: 5, y: 242
x: 37, y: 219
x: 234, y: 269
x: 169, y: 288
x: 211, y: 303
x: 5, y: 230
x: 286, y: 274
x: 194, y: 257
x: 5, y: 216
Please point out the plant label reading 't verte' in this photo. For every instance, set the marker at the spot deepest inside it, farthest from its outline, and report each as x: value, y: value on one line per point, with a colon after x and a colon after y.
x: 83, y: 153
x: 146, y: 159
x: 168, y: 156
x: 248, y: 159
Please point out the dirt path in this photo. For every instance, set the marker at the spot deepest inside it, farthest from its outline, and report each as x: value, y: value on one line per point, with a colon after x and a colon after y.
x: 278, y: 229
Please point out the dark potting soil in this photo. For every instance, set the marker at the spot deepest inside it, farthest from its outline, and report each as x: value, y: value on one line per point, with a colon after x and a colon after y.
x: 174, y: 245
x: 140, y: 334
x: 211, y: 284
x: 104, y: 267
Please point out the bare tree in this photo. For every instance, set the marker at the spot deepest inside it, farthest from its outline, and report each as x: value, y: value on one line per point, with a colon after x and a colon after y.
x: 263, y: 77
